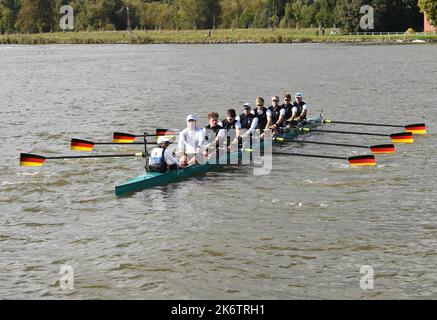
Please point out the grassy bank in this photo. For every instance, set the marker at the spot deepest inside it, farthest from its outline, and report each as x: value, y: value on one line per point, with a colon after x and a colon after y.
x: 205, y: 36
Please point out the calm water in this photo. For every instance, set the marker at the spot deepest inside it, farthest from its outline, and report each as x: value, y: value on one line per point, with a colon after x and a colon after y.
x: 302, y: 232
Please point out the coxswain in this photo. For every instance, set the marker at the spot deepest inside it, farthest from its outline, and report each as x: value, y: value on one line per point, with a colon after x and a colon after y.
x: 191, y: 142
x: 161, y: 158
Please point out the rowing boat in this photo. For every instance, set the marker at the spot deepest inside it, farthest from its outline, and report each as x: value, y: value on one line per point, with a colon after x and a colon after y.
x: 154, y: 179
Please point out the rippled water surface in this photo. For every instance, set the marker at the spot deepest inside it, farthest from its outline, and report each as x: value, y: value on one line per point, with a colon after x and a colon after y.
x: 303, y: 231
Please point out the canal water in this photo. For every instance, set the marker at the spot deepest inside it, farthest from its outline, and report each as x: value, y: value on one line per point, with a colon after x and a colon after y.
x: 313, y: 228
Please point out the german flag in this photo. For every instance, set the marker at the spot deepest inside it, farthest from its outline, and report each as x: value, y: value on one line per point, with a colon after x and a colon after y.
x: 361, y: 161
x: 82, y: 145
x: 165, y: 132
x: 123, y: 137
x: 383, y: 148
x: 404, y: 137
x: 419, y: 128
x: 31, y: 160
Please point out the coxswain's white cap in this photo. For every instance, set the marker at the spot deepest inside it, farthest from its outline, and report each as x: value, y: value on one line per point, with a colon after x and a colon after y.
x: 163, y: 140
x: 247, y: 105
x: 192, y: 117
x: 298, y: 95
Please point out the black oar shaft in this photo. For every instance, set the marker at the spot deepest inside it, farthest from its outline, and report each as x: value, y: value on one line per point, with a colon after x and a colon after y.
x: 91, y: 157
x: 364, y: 124
x: 309, y: 155
x: 327, y: 143
x: 162, y: 135
x: 351, y: 132
x: 122, y: 143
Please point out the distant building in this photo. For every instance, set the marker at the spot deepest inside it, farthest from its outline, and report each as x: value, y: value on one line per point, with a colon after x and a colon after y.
x: 428, y: 27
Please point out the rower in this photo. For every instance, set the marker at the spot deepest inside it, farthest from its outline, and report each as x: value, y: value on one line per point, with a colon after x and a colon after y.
x: 288, y: 107
x: 213, y: 132
x: 275, y: 115
x: 300, y: 110
x: 231, y: 121
x: 191, y: 142
x: 260, y: 113
x: 161, y: 158
x: 248, y: 120
x: 232, y: 125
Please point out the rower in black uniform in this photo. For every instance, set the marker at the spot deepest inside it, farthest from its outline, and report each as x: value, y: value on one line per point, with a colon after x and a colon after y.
x: 275, y: 116
x: 260, y: 113
x: 300, y: 111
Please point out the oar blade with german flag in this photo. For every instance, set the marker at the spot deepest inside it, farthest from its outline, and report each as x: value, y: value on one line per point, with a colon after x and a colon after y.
x: 383, y: 149
x: 403, y: 137
x: 120, y: 137
x: 82, y: 145
x: 31, y: 160
x: 419, y: 128
x: 362, y: 161
x: 166, y: 132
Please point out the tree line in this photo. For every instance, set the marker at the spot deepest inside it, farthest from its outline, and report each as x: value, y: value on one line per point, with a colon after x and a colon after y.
x: 33, y: 16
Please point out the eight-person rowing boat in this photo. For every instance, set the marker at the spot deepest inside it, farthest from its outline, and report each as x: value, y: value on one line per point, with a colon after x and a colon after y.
x: 228, y: 141
x: 156, y: 178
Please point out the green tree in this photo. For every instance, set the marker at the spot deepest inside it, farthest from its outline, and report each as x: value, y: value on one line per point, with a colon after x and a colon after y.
x: 36, y: 16
x: 430, y: 7
x: 8, y: 15
x: 199, y: 14
x: 308, y: 14
x: 85, y: 14
x: 396, y: 15
x: 231, y: 10
x: 348, y: 12
x: 246, y: 19
x: 325, y: 12
x: 56, y: 13
x: 44, y: 15
x: 287, y: 20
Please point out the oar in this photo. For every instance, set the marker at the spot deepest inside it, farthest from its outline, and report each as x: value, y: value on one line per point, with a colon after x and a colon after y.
x: 120, y: 137
x: 376, y: 149
x: 85, y: 145
x: 33, y: 160
x: 418, y: 128
x: 403, y: 137
x: 367, y: 160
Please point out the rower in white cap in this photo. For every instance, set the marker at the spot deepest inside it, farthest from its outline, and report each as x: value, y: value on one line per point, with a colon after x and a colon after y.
x: 191, y: 142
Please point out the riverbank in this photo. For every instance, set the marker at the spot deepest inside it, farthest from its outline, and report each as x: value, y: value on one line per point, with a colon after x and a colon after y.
x: 213, y: 36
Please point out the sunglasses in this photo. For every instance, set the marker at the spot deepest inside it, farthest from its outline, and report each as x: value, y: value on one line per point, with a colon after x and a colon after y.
x: 275, y: 100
